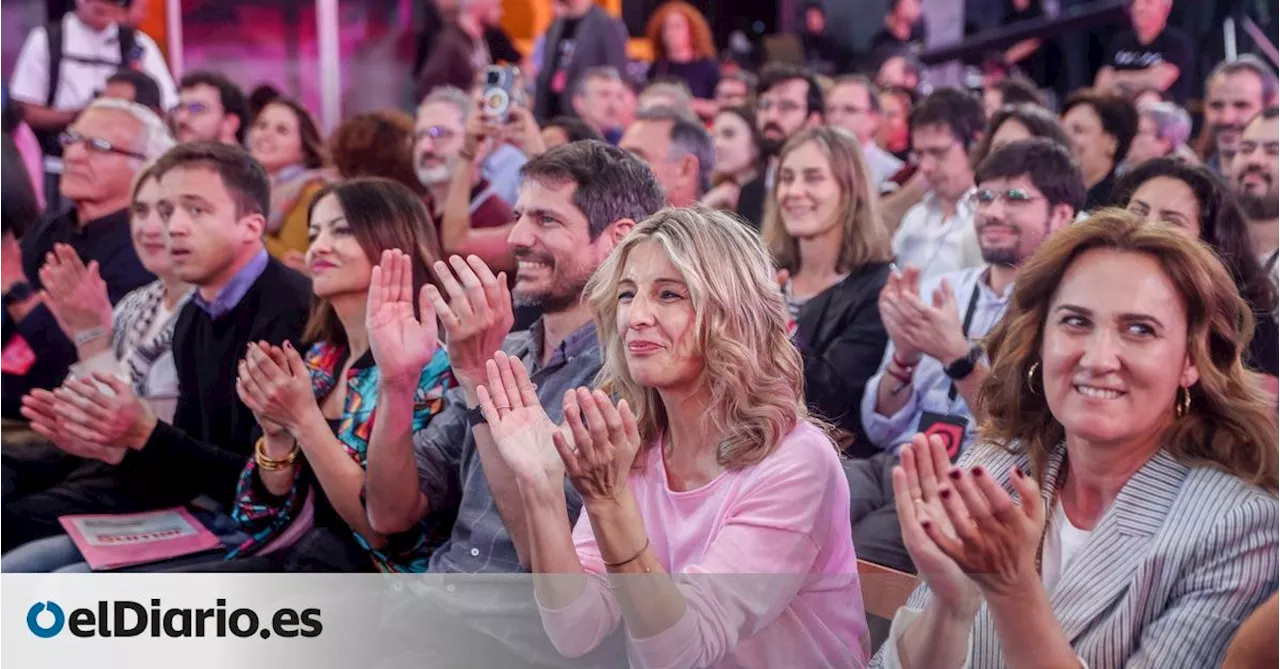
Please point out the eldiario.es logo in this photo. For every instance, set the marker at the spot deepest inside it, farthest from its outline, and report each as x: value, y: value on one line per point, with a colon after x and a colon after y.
x: 124, y: 618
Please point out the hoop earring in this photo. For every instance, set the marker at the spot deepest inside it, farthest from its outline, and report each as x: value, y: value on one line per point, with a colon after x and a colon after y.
x: 1183, y: 406
x: 1031, y: 380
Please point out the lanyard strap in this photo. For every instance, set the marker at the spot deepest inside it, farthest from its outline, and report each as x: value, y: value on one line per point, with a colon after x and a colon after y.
x: 968, y: 321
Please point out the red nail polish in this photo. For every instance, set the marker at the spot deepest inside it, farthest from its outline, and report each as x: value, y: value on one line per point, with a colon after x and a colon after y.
x: 1017, y: 471
x: 945, y: 493
x: 977, y: 471
x: 924, y: 524
x: 955, y: 474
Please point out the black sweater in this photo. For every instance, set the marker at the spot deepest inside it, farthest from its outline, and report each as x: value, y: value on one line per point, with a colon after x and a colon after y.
x: 843, y: 339
x: 210, y: 440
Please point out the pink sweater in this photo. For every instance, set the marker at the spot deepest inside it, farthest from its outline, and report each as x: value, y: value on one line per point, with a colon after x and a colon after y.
x: 764, y: 558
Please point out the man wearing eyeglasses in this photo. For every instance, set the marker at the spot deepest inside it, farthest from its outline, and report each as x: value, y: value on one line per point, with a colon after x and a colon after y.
x: 790, y: 101
x: 102, y: 151
x: 211, y: 108
x: 932, y: 368
x: 439, y: 138
x: 936, y: 235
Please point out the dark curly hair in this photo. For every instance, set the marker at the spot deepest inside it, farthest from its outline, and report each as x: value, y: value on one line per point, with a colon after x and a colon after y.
x: 1222, y: 223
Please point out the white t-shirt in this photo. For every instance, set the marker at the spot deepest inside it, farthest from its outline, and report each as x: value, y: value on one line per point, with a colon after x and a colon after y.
x: 1061, y: 543
x: 934, y: 242
x: 81, y: 81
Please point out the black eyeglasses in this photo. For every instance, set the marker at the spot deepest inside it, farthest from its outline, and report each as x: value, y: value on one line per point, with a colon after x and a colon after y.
x: 1012, y: 197
x: 95, y: 144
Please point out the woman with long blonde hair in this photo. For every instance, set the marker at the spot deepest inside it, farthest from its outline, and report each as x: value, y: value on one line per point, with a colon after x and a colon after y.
x: 707, y: 466
x: 1143, y: 461
x: 825, y: 230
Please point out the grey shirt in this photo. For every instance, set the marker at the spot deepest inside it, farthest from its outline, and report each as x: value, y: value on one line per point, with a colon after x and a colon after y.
x: 449, y: 470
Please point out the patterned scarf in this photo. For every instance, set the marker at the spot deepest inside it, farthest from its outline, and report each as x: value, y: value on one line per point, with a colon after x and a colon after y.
x: 134, y: 316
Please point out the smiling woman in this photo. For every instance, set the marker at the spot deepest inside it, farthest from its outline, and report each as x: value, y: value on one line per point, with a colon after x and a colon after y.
x: 1143, y: 460
x: 708, y: 467
x: 824, y: 227
x: 1200, y: 205
x: 285, y: 139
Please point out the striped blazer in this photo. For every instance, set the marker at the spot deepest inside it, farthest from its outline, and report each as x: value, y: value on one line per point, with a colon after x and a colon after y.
x: 1182, y: 556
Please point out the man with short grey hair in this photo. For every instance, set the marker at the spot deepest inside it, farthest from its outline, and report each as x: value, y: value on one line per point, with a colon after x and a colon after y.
x: 438, y: 155
x: 1235, y: 92
x: 678, y: 150
x: 597, y: 100
x: 1163, y: 130
x: 102, y: 151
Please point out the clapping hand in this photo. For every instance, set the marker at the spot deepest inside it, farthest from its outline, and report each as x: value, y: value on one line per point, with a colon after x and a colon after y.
x: 921, y: 488
x: 477, y: 317
x: 402, y: 344
x: 917, y: 327
x: 894, y: 313
x: 76, y: 295
x: 45, y: 413
x: 103, y: 410
x: 520, y: 427
x: 604, y: 444
x: 276, y: 386
x: 934, y: 327
x: 996, y: 539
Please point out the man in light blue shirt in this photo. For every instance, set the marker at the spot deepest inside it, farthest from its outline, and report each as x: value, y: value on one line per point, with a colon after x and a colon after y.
x: 933, y: 368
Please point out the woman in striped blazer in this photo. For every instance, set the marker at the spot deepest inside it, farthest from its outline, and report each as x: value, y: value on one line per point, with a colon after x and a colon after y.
x: 1122, y: 512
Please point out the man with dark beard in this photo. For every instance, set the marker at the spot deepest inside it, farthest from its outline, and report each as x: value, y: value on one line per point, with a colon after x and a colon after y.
x: 576, y: 202
x: 1256, y: 174
x: 932, y: 369
x: 1254, y: 170
x: 790, y: 101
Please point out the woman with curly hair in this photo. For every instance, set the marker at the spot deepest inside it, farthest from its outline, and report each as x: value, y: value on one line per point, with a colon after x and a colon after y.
x: 376, y: 144
x: 1200, y: 205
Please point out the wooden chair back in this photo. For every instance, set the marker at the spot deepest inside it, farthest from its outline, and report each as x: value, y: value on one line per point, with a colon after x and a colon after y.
x: 884, y: 590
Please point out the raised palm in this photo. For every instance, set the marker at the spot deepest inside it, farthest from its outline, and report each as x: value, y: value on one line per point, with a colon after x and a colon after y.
x: 918, y: 483
x: 519, y: 425
x: 402, y: 343
x: 74, y: 293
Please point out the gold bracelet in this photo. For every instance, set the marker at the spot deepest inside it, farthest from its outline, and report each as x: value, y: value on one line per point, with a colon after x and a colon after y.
x: 268, y: 464
x: 633, y: 558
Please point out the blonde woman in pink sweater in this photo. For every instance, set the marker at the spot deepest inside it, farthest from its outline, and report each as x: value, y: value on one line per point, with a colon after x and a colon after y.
x: 716, y: 524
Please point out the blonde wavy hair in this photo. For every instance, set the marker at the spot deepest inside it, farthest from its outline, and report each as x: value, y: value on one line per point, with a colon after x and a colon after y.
x: 864, y: 238
x: 1228, y: 425
x: 752, y: 369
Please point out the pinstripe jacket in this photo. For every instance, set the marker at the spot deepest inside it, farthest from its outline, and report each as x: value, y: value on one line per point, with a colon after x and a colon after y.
x: 1174, y: 566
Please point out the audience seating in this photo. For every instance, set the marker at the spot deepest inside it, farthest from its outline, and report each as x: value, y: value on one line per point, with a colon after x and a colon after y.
x: 884, y: 590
